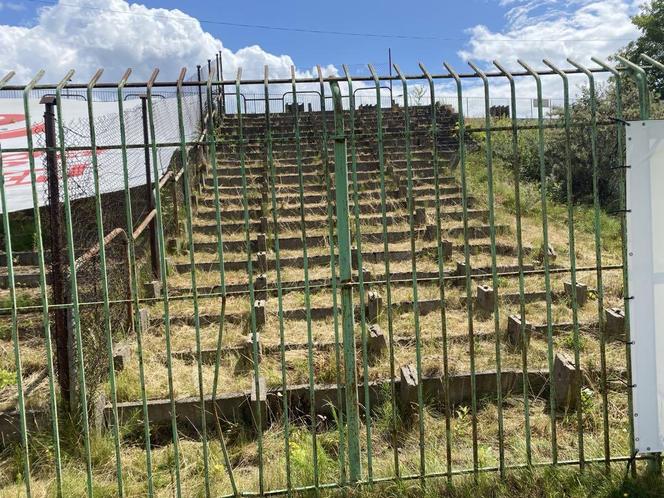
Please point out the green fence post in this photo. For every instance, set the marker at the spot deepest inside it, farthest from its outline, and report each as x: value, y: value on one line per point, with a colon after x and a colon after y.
x: 360, y: 267
x: 572, y: 250
x: 545, y: 251
x: 441, y: 271
x: 104, y: 281
x: 516, y: 170
x: 466, y: 257
x: 250, y: 269
x: 620, y: 164
x: 333, y: 272
x: 413, y: 262
x: 305, y: 270
x: 129, y: 217
x: 163, y: 272
x: 14, y: 326
x: 346, y: 280
x: 494, y: 273
x: 388, y: 273
x: 598, y: 254
x: 277, y: 267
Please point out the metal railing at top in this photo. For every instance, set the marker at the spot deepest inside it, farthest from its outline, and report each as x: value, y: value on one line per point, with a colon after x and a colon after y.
x: 350, y: 419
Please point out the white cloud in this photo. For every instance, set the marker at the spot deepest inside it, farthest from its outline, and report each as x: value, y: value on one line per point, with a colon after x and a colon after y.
x: 553, y: 30
x: 114, y: 34
x: 538, y: 29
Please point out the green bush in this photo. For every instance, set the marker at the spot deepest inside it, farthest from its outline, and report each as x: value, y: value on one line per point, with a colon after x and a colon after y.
x: 580, y: 146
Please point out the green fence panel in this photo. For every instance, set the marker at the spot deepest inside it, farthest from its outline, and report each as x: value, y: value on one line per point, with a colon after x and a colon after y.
x: 280, y: 216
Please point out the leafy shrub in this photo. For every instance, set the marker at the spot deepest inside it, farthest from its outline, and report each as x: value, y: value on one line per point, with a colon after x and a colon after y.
x: 580, y: 146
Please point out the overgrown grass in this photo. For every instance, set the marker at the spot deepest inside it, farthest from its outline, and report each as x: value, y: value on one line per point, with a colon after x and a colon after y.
x: 527, y: 483
x: 531, y: 205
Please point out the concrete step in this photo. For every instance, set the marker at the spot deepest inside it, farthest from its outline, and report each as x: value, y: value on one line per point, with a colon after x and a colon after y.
x: 318, y: 221
x: 423, y: 198
x: 296, y: 242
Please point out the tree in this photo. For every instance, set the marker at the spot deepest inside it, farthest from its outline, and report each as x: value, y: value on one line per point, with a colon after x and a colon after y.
x: 651, y: 42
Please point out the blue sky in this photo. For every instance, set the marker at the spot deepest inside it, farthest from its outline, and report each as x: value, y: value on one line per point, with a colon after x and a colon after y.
x: 449, y: 19
x: 88, y: 33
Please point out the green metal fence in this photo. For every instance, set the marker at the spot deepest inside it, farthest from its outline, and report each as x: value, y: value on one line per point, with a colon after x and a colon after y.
x: 351, y: 217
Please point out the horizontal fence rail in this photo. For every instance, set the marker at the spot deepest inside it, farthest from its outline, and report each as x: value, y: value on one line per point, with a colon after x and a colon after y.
x: 257, y: 286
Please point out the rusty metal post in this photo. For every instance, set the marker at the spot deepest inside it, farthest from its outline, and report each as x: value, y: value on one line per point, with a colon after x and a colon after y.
x: 217, y: 62
x: 58, y: 284
x: 200, y: 97
x: 209, y: 62
x: 176, y: 217
x: 154, y: 256
x: 223, y: 91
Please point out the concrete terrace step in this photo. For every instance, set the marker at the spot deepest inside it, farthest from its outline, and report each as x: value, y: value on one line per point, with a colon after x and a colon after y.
x: 367, y: 257
x: 232, y: 175
x: 320, y: 221
x: 366, y: 207
x: 390, y: 125
x: 421, y: 199
x: 421, y: 187
x: 291, y: 156
x: 296, y: 243
x: 396, y: 279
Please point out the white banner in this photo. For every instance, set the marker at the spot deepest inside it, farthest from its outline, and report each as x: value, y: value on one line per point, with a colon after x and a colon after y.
x: 16, y: 166
x: 645, y: 230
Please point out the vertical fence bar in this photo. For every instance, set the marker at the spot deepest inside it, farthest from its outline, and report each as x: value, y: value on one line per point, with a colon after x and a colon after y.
x: 620, y: 165
x: 212, y: 154
x: 277, y: 265
x: 545, y: 253
x: 333, y: 275
x: 14, y: 317
x: 104, y: 281
x: 516, y: 169
x: 572, y: 252
x: 307, y: 291
x: 17, y: 349
x: 346, y: 280
x: 133, y: 278
x: 164, y: 284
x: 413, y: 261
x: 388, y: 274
x: 360, y: 268
x: 210, y: 137
x: 441, y: 272
x: 494, y: 272
x: 598, y: 256
x: 197, y: 322
x: 250, y: 274
x: 73, y: 280
x: 466, y: 252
